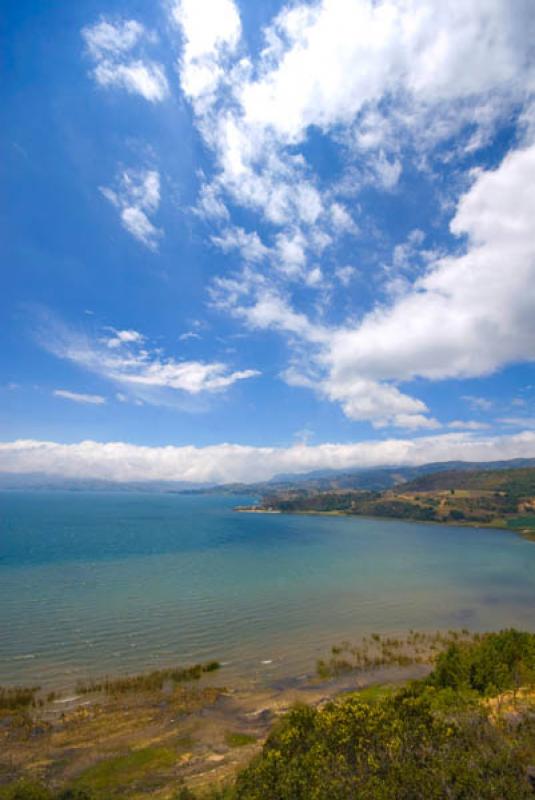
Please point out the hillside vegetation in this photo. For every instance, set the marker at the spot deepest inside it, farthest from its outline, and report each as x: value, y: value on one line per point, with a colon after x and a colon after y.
x: 519, y: 482
x: 499, y: 498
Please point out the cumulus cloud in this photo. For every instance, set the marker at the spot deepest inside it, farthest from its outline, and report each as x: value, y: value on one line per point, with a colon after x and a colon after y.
x: 119, y: 461
x: 77, y: 397
x: 387, y: 83
x: 110, y: 45
x: 383, y: 79
x: 329, y: 61
x: 337, y: 64
x: 137, y: 195
x: 211, y: 30
x: 467, y: 316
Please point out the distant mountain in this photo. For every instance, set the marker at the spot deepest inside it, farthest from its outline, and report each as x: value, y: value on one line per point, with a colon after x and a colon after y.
x: 373, y: 479
x: 39, y: 481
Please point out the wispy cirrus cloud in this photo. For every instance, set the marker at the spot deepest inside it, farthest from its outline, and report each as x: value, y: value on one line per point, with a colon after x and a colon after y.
x: 79, y: 397
x: 126, y: 359
x: 468, y: 425
x: 478, y: 403
x: 522, y: 423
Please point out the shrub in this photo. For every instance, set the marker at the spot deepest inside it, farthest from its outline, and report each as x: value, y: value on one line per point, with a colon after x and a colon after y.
x: 399, y: 748
x: 494, y: 663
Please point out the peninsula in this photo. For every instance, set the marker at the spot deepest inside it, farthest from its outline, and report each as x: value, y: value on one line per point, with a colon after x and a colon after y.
x: 501, y: 498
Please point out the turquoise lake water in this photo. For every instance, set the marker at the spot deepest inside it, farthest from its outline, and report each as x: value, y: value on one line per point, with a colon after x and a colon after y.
x: 102, y: 583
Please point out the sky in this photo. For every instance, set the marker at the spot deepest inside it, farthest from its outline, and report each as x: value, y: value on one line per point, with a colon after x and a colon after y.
x: 245, y: 238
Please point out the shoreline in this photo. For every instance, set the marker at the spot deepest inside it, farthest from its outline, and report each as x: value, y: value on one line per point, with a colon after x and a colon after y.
x: 206, y: 731
x: 525, y: 533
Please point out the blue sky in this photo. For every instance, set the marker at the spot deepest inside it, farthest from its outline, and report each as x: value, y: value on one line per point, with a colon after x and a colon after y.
x: 244, y: 238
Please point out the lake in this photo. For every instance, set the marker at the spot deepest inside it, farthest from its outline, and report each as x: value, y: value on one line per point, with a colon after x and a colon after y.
x: 110, y: 583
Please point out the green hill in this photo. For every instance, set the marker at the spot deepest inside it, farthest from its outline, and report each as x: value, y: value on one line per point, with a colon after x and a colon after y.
x: 520, y: 482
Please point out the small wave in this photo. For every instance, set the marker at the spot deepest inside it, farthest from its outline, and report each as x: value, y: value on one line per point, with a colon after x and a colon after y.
x: 24, y: 657
x: 267, y: 661
x: 67, y: 699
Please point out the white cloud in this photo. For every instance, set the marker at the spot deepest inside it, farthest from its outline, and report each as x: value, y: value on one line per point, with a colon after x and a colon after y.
x: 136, y: 77
x: 370, y: 69
x: 387, y: 82
x: 119, y: 461
x: 119, y: 338
x: 291, y: 256
x: 468, y: 425
x: 110, y: 45
x: 314, y: 277
x: 106, y: 38
x: 466, y: 316
x: 136, y: 196
x: 77, y: 397
x: 478, y: 403
x: 139, y: 225
x: 387, y: 172
x: 332, y: 59
x: 211, y: 30
x: 518, y: 422
x: 125, y: 359
x: 342, y: 219
x: 249, y: 245
x: 346, y: 274
x: 470, y: 314
x: 382, y: 404
x: 209, y: 205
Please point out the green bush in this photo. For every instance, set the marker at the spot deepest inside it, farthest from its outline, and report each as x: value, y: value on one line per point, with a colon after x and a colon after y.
x: 494, y: 663
x: 397, y: 749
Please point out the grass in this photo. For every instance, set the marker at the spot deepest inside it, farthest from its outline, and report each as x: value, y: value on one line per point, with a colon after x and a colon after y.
x: 375, y: 693
x: 16, y: 698
x: 148, y: 682
x: 376, y: 651
x: 236, y: 739
x: 122, y: 771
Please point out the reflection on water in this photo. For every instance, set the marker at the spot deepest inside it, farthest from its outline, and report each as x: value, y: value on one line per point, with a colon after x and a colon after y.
x: 96, y: 583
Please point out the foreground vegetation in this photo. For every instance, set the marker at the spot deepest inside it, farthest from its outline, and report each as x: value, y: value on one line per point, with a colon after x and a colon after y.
x: 148, y: 682
x: 375, y: 651
x: 466, y: 731
x: 496, y: 498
